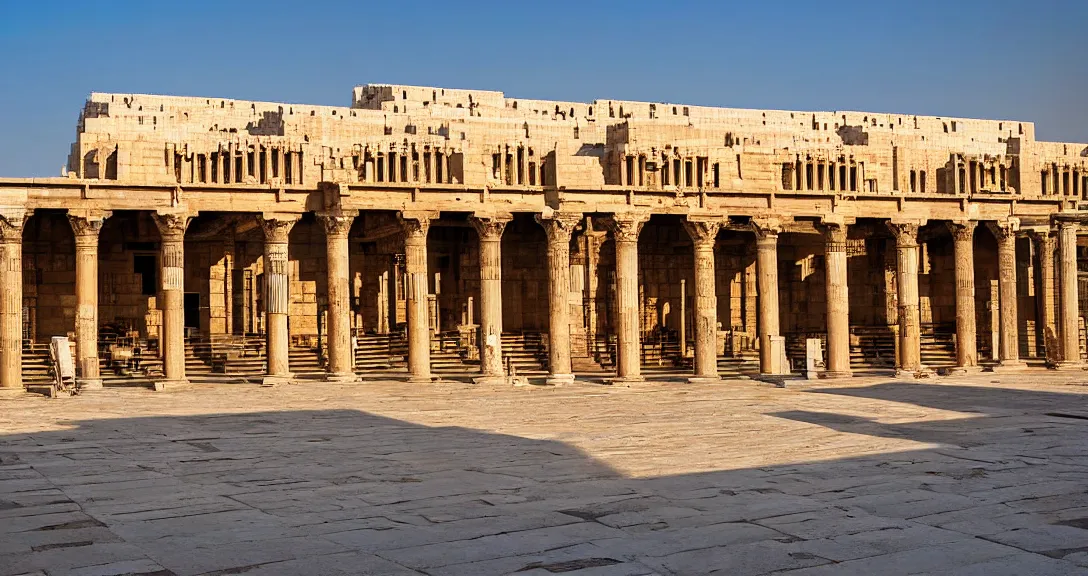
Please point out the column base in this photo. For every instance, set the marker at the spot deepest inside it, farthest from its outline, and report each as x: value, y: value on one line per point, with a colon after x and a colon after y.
x: 273, y: 380
x: 1064, y: 366
x: 161, y: 385
x: 490, y: 380
x: 11, y: 392
x: 559, y: 379
x: 1009, y: 366
x: 961, y: 370
x: 344, y: 378
x: 836, y: 374
x: 626, y: 380
x: 704, y: 379
x: 420, y: 379
x: 85, y: 384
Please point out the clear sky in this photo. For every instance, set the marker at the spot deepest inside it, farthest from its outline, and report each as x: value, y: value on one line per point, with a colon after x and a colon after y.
x: 991, y: 59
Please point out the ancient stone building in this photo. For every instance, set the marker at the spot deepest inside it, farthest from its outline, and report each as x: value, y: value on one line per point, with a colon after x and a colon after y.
x: 426, y: 231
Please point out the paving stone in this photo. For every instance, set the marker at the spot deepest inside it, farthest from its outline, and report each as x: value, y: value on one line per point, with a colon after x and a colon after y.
x: 388, y: 478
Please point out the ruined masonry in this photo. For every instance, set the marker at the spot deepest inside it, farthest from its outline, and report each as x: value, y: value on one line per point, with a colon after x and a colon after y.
x: 429, y: 232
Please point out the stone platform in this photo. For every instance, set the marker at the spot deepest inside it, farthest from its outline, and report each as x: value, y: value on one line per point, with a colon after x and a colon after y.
x: 984, y: 474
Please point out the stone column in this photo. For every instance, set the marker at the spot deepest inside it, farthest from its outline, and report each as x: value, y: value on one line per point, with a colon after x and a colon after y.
x: 1005, y: 232
x: 963, y: 238
x: 559, y: 227
x: 1068, y: 297
x: 11, y: 314
x: 703, y: 233
x: 625, y: 230
x: 86, y: 225
x: 489, y: 228
x: 228, y: 285
x: 277, y: 228
x: 1044, y: 246
x: 838, y: 301
x: 172, y: 262
x: 910, y: 343
x: 416, y: 225
x: 338, y: 325
x: 771, y: 348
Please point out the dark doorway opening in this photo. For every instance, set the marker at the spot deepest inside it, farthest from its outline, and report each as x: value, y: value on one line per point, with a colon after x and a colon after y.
x: 192, y: 310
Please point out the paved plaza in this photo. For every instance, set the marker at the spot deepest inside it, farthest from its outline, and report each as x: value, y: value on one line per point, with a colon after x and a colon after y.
x: 984, y: 475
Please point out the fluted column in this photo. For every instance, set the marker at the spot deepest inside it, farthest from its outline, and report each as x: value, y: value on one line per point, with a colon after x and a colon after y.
x: 277, y: 228
x: 86, y: 225
x: 338, y: 326
x: 416, y: 225
x: 228, y: 284
x: 11, y: 314
x: 559, y: 227
x: 703, y: 233
x: 1045, y: 241
x: 838, y: 301
x: 172, y: 262
x: 771, y: 347
x: 1005, y: 232
x: 1068, y: 297
x: 625, y: 229
x: 963, y: 239
x: 489, y: 228
x: 910, y: 336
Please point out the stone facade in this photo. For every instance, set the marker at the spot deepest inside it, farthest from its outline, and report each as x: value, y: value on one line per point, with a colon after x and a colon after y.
x: 427, y: 211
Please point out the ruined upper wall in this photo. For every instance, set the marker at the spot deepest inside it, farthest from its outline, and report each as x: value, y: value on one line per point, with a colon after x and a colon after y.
x: 425, y: 135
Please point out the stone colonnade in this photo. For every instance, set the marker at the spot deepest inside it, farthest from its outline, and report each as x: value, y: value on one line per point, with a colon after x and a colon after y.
x: 558, y: 227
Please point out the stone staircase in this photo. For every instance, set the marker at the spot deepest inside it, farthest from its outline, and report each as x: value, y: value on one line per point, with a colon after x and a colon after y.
x: 872, y: 351
x: 938, y: 346
x: 36, y: 365
x: 526, y: 353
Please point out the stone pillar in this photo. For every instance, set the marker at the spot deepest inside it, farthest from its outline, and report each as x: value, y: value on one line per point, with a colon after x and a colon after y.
x: 277, y: 228
x: 86, y: 225
x: 625, y: 230
x: 703, y: 234
x: 11, y: 314
x: 1009, y: 350
x: 489, y: 228
x: 228, y: 285
x: 172, y: 262
x: 910, y: 343
x: 1068, y: 297
x: 838, y: 301
x: 416, y: 225
x: 963, y: 238
x: 338, y: 325
x: 1044, y: 247
x: 771, y: 347
x: 559, y: 227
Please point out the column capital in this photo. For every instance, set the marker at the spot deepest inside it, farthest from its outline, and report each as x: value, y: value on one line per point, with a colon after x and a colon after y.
x: 766, y: 228
x: 703, y: 230
x: 12, y: 221
x: 559, y: 226
x: 416, y: 224
x: 489, y: 226
x: 1064, y: 224
x: 834, y: 230
x: 905, y: 232
x: 277, y: 226
x: 962, y: 230
x: 337, y: 223
x: 625, y: 226
x: 86, y: 224
x: 172, y: 225
x: 1004, y: 229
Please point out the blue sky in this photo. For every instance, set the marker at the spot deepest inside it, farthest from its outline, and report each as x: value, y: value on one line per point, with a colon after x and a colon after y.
x: 991, y: 59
